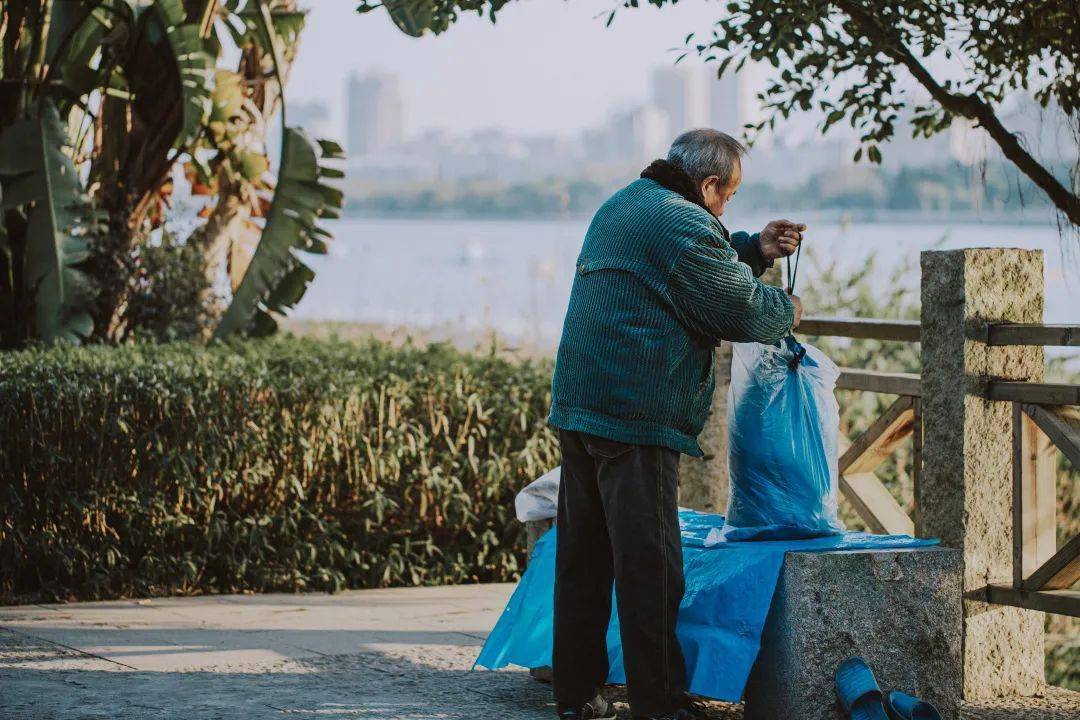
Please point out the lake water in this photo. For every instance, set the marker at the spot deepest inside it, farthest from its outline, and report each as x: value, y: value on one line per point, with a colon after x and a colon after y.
x: 514, y: 276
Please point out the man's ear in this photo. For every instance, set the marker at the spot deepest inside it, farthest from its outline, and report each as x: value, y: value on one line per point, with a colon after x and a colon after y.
x: 707, y: 183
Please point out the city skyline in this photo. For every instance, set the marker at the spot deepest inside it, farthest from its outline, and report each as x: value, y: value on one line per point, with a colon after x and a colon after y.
x: 544, y: 69
x: 688, y: 96
x: 678, y: 99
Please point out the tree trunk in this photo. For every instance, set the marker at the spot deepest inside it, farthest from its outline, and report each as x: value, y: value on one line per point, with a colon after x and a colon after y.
x: 228, y: 222
x: 230, y: 219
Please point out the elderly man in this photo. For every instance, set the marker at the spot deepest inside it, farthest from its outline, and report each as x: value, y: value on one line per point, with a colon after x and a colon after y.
x: 660, y: 282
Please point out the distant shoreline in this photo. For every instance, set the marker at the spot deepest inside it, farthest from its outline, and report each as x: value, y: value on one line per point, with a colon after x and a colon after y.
x: 482, y: 342
x: 488, y: 342
x: 1046, y: 218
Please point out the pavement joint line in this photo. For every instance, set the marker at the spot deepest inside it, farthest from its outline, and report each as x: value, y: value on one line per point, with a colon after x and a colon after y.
x: 472, y: 635
x: 376, y: 668
x: 487, y: 695
x: 69, y: 647
x: 316, y: 652
x: 176, y: 613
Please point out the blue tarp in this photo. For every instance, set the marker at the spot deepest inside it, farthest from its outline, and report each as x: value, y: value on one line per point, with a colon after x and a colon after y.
x: 729, y: 587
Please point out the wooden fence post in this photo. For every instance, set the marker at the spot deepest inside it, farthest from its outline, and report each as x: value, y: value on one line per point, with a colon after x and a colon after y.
x: 965, y: 489
x: 703, y: 482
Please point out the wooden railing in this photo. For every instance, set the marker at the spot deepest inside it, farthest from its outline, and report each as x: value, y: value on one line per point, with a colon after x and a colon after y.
x: 1044, y: 419
x: 859, y: 482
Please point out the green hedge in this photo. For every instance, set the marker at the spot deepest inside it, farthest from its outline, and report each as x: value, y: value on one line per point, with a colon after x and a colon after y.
x: 283, y: 464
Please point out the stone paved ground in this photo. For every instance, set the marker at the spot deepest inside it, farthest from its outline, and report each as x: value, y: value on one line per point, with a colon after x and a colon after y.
x: 383, y: 654
x: 375, y: 654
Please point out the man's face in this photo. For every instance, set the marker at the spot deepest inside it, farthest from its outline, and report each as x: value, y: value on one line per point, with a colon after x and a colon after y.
x: 717, y: 195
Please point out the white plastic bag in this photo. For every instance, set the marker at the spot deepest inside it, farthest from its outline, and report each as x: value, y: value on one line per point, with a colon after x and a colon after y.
x: 539, y: 500
x: 783, y: 426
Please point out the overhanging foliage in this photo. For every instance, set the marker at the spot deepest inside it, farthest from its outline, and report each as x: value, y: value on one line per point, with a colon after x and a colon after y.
x: 851, y: 60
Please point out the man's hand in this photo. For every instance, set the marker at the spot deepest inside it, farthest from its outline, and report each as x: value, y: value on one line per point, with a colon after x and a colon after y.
x: 780, y: 238
x: 797, y: 301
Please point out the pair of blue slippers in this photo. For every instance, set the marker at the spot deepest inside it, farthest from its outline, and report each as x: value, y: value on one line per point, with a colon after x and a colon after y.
x: 862, y: 699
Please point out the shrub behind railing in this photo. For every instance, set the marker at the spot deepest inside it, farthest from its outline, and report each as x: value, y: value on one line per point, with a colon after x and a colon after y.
x: 282, y: 464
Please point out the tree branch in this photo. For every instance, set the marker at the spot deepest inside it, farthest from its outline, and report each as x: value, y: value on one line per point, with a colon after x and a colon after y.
x: 972, y: 107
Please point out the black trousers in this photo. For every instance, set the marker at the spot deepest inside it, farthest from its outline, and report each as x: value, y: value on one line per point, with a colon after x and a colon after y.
x: 618, y: 522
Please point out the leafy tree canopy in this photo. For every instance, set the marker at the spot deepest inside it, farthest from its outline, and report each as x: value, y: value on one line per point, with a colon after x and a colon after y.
x: 415, y: 17
x: 853, y: 60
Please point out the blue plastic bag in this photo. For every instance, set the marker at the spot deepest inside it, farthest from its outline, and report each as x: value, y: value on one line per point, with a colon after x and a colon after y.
x: 783, y: 426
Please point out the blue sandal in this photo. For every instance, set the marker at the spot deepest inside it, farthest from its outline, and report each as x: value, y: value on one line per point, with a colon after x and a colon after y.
x: 858, y: 690
x: 902, y: 706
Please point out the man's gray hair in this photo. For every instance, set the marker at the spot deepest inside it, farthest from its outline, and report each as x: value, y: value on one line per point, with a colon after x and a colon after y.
x: 703, y: 152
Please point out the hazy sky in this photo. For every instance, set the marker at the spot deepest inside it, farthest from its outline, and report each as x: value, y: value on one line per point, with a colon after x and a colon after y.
x: 546, y: 66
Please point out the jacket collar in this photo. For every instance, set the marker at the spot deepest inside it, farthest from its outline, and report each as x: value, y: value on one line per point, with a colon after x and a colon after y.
x: 675, y: 179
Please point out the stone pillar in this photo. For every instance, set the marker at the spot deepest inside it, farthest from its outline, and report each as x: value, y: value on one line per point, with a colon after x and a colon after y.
x: 964, y: 492
x: 703, y: 482
x: 897, y: 609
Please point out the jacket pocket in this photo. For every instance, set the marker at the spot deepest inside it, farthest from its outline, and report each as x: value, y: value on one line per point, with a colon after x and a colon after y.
x: 641, y: 270
x: 702, y: 404
x: 708, y: 375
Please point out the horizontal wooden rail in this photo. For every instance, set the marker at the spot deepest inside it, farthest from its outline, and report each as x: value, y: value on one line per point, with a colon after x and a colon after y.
x: 910, y: 331
x: 1032, y: 392
x: 861, y: 328
x: 880, y: 382
x: 1063, y: 602
x: 1027, y: 334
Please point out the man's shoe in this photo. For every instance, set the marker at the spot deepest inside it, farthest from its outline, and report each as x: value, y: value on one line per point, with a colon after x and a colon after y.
x: 691, y: 710
x: 680, y: 714
x: 596, y: 709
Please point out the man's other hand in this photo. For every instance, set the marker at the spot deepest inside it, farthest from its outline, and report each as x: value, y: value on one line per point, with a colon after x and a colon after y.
x: 797, y: 301
x: 780, y: 238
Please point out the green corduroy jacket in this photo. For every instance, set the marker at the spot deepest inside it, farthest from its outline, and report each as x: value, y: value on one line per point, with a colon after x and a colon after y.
x: 659, y: 284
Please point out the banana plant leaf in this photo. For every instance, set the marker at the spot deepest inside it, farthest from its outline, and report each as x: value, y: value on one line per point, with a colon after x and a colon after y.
x: 5, y: 247
x: 288, y: 24
x: 77, y: 34
x: 195, y: 64
x: 277, y: 278
x: 36, y: 172
x: 80, y: 36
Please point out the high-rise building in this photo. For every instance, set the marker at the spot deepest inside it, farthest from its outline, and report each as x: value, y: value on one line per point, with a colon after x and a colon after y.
x: 725, y: 103
x: 628, y: 137
x: 642, y: 133
x: 374, y: 113
x: 677, y: 91
x: 313, y: 116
